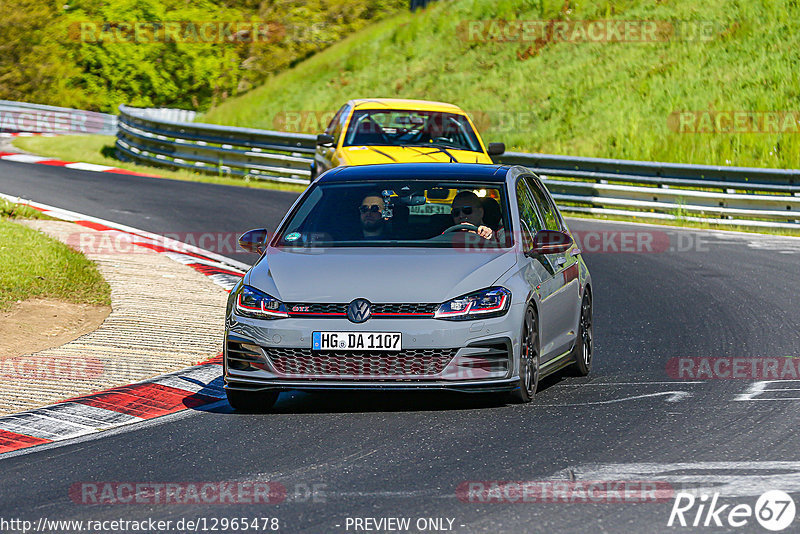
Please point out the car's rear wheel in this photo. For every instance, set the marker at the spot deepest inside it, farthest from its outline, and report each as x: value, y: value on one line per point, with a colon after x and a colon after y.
x: 529, y: 360
x: 584, y: 346
x: 251, y: 401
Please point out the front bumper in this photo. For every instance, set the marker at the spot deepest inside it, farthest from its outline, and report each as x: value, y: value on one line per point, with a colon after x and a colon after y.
x: 443, y: 355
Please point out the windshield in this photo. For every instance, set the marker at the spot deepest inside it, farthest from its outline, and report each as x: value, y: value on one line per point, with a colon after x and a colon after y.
x: 380, y: 127
x: 418, y: 213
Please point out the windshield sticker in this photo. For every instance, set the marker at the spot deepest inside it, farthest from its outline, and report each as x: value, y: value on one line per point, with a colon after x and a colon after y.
x: 294, y: 236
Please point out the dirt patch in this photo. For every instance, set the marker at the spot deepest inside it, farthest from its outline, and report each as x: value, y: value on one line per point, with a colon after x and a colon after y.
x: 38, y: 324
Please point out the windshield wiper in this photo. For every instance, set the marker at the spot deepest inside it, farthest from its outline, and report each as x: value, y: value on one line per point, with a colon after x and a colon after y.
x: 439, y: 148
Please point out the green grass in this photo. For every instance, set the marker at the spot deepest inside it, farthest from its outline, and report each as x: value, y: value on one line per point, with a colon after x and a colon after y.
x: 582, y: 99
x: 12, y: 210
x: 99, y: 149
x: 35, y: 265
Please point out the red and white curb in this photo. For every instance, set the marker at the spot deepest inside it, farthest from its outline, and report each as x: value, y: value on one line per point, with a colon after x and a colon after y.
x: 190, y: 388
x: 26, y: 134
x: 223, y: 271
x: 29, y: 158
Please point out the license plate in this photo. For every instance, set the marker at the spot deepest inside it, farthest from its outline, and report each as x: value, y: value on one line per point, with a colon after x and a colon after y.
x: 384, y: 341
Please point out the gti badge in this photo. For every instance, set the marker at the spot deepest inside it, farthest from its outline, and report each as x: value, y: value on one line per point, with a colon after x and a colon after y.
x: 359, y: 311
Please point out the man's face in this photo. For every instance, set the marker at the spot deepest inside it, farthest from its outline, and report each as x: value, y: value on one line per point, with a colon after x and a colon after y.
x: 371, y: 216
x: 467, y: 211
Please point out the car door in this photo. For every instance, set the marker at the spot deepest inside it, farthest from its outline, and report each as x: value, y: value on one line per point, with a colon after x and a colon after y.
x: 539, y: 272
x: 566, y: 283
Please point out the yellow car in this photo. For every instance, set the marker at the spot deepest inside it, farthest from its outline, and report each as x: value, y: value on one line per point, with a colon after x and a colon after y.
x: 389, y: 130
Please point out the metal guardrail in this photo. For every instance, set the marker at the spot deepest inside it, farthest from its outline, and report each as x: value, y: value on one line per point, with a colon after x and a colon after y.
x: 214, y: 149
x: 38, y: 118
x: 741, y: 196
x: 722, y: 195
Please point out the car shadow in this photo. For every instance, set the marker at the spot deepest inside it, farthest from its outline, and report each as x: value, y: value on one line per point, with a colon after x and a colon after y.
x: 328, y: 402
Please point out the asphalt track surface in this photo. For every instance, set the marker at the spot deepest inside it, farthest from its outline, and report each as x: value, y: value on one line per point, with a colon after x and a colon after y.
x: 381, y: 455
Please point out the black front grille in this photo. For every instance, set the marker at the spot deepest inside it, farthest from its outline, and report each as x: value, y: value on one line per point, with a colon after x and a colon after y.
x: 402, y: 364
x: 404, y: 309
x: 387, y: 310
x: 315, y: 308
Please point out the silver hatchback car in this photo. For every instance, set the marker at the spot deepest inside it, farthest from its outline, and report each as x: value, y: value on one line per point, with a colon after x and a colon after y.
x: 406, y: 277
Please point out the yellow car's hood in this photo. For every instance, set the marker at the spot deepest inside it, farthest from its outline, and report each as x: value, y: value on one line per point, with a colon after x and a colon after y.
x: 370, y: 155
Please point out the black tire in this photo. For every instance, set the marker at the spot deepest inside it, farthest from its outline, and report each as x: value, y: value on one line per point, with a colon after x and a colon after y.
x: 584, y: 346
x: 529, y: 360
x: 251, y: 401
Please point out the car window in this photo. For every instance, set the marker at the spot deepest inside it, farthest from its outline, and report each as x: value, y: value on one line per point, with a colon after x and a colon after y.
x: 552, y: 221
x: 339, y: 124
x: 434, y: 129
x: 407, y: 213
x: 335, y: 120
x: 528, y: 216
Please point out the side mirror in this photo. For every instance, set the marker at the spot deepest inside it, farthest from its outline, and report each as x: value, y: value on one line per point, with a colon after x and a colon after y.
x: 551, y: 242
x: 324, y: 140
x: 496, y: 149
x: 254, y: 241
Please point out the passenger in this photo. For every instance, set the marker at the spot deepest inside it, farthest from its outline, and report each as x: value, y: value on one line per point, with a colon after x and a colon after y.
x: 468, y: 209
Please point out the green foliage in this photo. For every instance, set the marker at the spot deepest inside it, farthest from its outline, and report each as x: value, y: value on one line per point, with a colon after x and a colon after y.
x: 88, y: 54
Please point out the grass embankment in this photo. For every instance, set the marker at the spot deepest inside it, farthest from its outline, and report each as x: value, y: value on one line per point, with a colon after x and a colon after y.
x: 99, y: 149
x: 35, y: 265
x: 601, y: 99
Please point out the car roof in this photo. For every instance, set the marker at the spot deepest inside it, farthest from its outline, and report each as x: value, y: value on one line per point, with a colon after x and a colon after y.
x: 468, y: 172
x: 404, y: 104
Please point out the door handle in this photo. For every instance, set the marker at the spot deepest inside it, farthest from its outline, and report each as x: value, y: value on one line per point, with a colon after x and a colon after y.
x: 560, y: 261
x: 575, y: 252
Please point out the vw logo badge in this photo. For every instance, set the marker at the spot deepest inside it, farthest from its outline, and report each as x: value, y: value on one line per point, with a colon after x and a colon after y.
x: 359, y: 311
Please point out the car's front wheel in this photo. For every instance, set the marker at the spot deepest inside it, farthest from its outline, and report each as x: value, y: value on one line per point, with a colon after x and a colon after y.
x: 584, y: 346
x: 529, y: 360
x: 251, y: 401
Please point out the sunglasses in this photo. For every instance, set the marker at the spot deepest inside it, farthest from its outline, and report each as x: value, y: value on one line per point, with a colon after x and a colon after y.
x: 457, y: 211
x: 363, y: 208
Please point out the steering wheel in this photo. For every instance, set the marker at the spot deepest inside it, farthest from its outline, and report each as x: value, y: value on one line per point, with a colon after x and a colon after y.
x: 466, y: 226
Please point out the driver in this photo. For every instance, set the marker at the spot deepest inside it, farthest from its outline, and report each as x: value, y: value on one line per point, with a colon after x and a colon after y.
x: 467, y: 209
x: 371, y: 212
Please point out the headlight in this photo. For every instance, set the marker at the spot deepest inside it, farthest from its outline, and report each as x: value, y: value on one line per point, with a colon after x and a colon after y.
x: 251, y: 302
x: 491, y: 302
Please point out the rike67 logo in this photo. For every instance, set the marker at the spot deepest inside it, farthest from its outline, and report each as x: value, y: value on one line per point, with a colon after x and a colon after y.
x: 774, y: 510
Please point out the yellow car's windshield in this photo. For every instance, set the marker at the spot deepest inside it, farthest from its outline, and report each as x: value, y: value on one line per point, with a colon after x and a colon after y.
x: 380, y: 127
